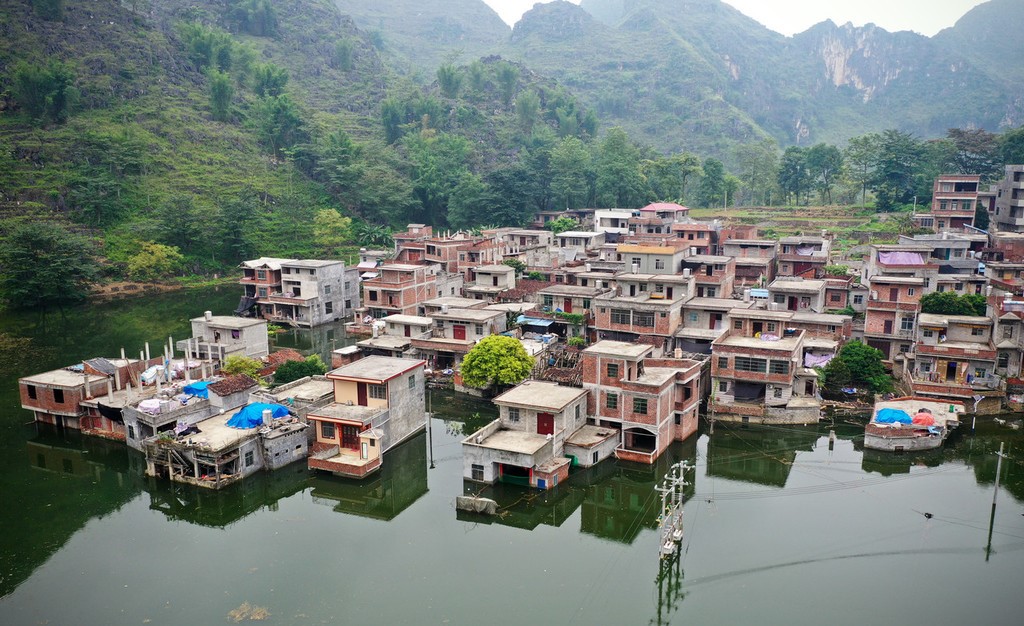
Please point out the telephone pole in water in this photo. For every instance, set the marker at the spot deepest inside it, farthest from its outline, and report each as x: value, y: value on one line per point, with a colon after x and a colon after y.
x: 671, y: 518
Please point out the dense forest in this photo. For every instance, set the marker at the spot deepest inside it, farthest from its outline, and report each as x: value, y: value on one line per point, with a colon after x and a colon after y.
x: 148, y: 139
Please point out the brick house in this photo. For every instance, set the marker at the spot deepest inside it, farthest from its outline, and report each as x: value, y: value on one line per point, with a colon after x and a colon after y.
x: 398, y: 289
x: 649, y: 402
x: 379, y: 402
x: 755, y: 260
x: 803, y: 256
x: 642, y: 304
x: 303, y: 293
x: 954, y: 356
x: 713, y: 276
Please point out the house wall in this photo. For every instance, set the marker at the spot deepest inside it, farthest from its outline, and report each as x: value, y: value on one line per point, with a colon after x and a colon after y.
x: 347, y: 391
x: 407, y: 407
x: 588, y: 457
x: 280, y: 450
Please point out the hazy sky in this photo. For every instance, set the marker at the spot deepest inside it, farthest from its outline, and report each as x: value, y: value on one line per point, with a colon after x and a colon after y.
x: 793, y: 16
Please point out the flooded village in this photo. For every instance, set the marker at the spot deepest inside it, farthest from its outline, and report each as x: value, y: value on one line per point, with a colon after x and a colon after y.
x: 652, y: 338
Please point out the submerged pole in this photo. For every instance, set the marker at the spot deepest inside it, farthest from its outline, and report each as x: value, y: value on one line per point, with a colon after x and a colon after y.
x: 995, y: 494
x: 430, y: 418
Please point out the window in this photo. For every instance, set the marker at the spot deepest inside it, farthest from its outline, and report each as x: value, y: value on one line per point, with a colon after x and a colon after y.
x: 1007, y: 334
x: 248, y: 458
x: 779, y: 298
x: 613, y: 370
x: 835, y: 297
x: 373, y: 296
x: 577, y: 412
x: 348, y: 304
x: 611, y: 401
x: 236, y: 334
x: 778, y: 367
x: 261, y: 292
x: 737, y: 324
x: 723, y: 362
x: 478, y: 472
x: 378, y: 392
x: 858, y: 299
x: 328, y: 308
x: 620, y: 316
x: 58, y: 396
x: 586, y: 304
x: 777, y: 393
x: 904, y: 348
x: 831, y: 328
x: 977, y: 332
x: 910, y: 291
x: 644, y: 318
x: 710, y: 292
x: 1004, y: 360
x: 479, y: 329
x: 926, y: 367
x: 928, y: 333
x: 31, y: 391
x: 906, y: 323
x: 747, y: 364
x: 771, y: 327
x: 548, y: 301
x: 640, y: 406
x: 659, y: 264
x: 327, y: 290
x: 513, y: 414
x: 693, y: 316
x: 980, y: 372
x: 723, y: 386
x: 131, y: 431
x: 412, y: 381
x: 261, y: 274
x: 326, y: 430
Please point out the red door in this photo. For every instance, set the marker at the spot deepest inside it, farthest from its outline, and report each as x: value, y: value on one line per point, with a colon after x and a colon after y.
x: 408, y: 331
x: 567, y: 305
x: 887, y: 327
x: 459, y: 331
x: 350, y: 437
x: 545, y: 424
x: 894, y: 294
x: 361, y: 394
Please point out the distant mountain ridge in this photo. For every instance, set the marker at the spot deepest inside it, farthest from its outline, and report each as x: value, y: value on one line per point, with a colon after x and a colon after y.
x: 700, y: 75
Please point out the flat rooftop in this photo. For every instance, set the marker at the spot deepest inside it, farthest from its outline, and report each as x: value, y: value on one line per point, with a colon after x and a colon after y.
x: 494, y: 269
x: 572, y: 290
x: 656, y: 376
x: 310, y: 390
x: 541, y: 395
x: 455, y: 302
x: 896, y: 280
x: 707, y: 258
x: 386, y: 342
x: 412, y: 320
x: 474, y: 315
x: 931, y: 319
x: 230, y: 321
x: 787, y: 344
x: 376, y: 368
x: 586, y: 234
x: 347, y: 412
x: 511, y: 306
x: 589, y: 436
x: 62, y: 378
x: 821, y: 318
x: 518, y: 441
x: 314, y: 263
x: 621, y: 349
x: 717, y: 304
x: 799, y: 286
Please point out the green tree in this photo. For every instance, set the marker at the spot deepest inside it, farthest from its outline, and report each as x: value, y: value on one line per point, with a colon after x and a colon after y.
x: 1011, y: 146
x: 467, y: 200
x: 278, y: 123
x: 331, y: 231
x: 894, y: 180
x: 49, y: 9
x: 711, y: 189
x: 255, y: 17
x: 571, y: 173
x: 207, y: 46
x: 449, y: 79
x: 340, y: 164
x: 861, y: 156
x: 269, y: 80
x: 496, y: 359
x: 373, y: 235
x: 180, y: 224
x: 949, y: 303
x: 238, y: 364
x: 438, y: 161
x: 561, y: 224
x: 619, y: 180
x: 976, y: 152
x: 44, y: 92
x: 343, y: 54
x: 234, y: 216
x: 793, y: 178
x: 44, y: 266
x: 824, y: 163
x: 667, y: 176
x: 477, y: 74
x: 507, y: 76
x: 392, y: 114
x: 759, y: 168
x: 527, y: 109
x: 515, y: 264
x: 290, y: 371
x: 857, y: 365
x: 154, y: 261
x: 221, y: 93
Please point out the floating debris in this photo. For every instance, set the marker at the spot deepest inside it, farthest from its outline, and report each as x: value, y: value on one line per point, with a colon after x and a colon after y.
x: 250, y: 612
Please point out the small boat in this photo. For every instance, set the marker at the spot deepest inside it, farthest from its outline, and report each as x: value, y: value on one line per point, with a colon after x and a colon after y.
x: 911, y: 423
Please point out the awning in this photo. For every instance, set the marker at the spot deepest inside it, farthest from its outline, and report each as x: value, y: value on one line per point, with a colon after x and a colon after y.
x: 534, y: 321
x: 368, y: 275
x: 367, y: 265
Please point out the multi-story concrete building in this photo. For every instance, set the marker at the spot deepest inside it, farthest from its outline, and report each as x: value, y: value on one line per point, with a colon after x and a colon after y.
x: 455, y: 333
x: 379, y: 402
x: 797, y: 294
x: 642, y: 304
x: 954, y: 200
x: 398, y: 289
x: 755, y: 260
x: 758, y: 372
x: 303, y: 293
x: 954, y: 357
x: 216, y: 337
x: 1009, y: 203
x: 803, y: 256
x: 650, y: 402
x: 489, y: 280
x: 713, y: 276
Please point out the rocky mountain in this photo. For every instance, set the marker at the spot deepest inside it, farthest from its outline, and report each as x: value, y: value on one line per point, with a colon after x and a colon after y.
x: 700, y: 75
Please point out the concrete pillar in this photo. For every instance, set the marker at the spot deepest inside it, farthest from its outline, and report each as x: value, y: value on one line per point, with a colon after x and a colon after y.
x: 147, y: 351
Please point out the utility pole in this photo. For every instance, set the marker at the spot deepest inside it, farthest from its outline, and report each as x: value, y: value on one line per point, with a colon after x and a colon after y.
x: 430, y: 418
x: 995, y: 493
x: 671, y: 518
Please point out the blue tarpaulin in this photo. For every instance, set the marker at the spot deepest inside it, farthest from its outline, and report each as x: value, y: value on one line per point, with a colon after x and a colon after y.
x: 251, y: 416
x: 197, y: 389
x: 893, y: 416
x: 534, y: 321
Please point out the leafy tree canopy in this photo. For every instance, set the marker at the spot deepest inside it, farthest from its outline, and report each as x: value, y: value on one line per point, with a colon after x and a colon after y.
x: 290, y: 371
x: 857, y: 365
x: 242, y: 365
x: 154, y: 261
x: 949, y: 303
x: 44, y: 266
x: 496, y: 359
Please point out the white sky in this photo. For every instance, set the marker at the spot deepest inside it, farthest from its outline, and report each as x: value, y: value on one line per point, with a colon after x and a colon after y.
x: 793, y: 16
